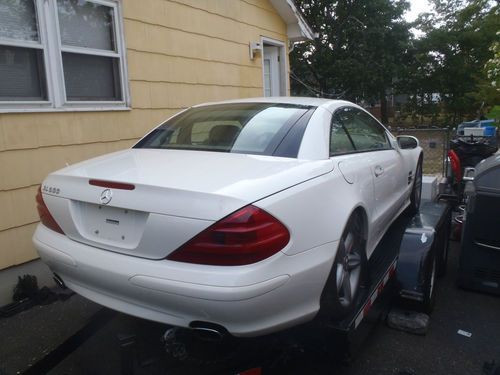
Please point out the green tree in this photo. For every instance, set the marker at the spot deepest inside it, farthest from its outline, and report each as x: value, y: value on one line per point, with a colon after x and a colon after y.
x: 359, y: 53
x: 492, y: 66
x: 450, y: 58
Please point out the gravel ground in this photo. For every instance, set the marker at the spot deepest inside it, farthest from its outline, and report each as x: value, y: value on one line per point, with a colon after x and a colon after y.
x: 30, y: 335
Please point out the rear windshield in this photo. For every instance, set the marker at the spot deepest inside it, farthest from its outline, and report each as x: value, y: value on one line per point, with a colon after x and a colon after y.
x: 250, y: 128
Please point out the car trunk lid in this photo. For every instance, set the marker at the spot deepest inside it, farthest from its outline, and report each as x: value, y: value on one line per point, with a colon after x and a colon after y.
x: 174, y: 196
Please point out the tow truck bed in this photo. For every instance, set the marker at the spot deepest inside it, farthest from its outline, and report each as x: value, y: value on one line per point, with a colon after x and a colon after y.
x: 399, y: 271
x: 397, y: 268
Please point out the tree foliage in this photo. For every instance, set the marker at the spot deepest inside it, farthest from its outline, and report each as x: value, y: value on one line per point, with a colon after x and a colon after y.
x: 450, y: 58
x: 366, y: 51
x: 359, y: 50
x: 492, y: 66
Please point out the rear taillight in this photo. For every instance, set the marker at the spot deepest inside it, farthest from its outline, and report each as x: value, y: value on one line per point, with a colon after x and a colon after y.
x: 244, y: 237
x: 456, y: 166
x: 45, y: 217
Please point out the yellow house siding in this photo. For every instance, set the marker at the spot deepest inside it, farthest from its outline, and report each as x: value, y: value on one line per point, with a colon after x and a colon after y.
x: 179, y: 53
x: 264, y: 4
x: 245, y: 13
x: 185, y: 95
x: 173, y: 69
x: 24, y: 168
x: 17, y: 207
x: 16, y: 245
x: 229, y: 20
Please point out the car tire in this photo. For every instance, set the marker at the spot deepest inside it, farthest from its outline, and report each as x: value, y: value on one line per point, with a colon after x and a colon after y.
x: 416, y: 191
x: 348, y: 275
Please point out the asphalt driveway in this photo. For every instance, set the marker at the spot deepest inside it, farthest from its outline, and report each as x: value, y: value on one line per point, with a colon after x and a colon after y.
x: 28, y: 337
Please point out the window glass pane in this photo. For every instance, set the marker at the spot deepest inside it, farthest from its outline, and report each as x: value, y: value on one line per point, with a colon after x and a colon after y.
x: 365, y: 132
x: 86, y: 24
x: 251, y: 128
x: 18, y: 20
x: 21, y: 74
x: 214, y: 132
x: 339, y: 141
x: 261, y: 128
x: 91, y: 78
x: 267, y: 77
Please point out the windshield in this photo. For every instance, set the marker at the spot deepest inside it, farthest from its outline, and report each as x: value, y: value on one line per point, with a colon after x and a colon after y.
x: 251, y: 128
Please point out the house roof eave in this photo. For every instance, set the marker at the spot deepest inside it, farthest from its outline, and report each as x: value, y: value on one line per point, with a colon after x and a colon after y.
x: 297, y: 27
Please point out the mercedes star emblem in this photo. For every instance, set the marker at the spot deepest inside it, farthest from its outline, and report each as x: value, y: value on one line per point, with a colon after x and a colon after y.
x: 106, y: 196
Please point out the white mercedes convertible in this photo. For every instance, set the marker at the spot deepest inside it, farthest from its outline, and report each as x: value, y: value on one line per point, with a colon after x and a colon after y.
x: 244, y: 216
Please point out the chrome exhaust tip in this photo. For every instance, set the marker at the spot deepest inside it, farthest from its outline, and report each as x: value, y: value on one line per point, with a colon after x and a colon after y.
x: 208, y: 331
x: 208, y: 334
x: 59, y: 281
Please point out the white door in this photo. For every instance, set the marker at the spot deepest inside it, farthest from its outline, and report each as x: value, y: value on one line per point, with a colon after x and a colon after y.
x: 271, y: 66
x: 387, y: 169
x: 389, y: 184
x: 369, y: 138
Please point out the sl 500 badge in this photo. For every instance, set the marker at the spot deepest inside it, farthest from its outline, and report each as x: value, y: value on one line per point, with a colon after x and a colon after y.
x: 50, y: 189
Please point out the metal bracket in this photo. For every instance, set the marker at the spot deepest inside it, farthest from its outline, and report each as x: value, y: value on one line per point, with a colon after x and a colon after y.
x: 254, y: 48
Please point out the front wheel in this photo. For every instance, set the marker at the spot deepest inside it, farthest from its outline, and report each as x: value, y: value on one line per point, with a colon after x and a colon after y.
x: 348, y: 273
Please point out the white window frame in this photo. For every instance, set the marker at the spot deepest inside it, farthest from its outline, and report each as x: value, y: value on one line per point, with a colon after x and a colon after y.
x: 283, y: 64
x: 50, y: 42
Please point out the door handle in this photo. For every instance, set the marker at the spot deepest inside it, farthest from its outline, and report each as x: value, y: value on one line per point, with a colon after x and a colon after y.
x: 378, y: 170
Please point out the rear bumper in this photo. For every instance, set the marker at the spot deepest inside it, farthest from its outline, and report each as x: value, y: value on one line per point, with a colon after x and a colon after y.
x: 247, y: 300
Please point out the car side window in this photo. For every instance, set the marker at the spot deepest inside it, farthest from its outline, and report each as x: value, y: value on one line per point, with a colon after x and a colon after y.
x: 365, y: 132
x: 340, y: 142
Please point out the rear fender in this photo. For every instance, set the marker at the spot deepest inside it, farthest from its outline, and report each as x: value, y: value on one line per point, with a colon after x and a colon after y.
x: 425, y: 237
x: 414, y: 255
x: 363, y: 211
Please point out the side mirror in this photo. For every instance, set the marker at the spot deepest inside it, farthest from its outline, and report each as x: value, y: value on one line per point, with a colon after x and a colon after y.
x: 407, y: 142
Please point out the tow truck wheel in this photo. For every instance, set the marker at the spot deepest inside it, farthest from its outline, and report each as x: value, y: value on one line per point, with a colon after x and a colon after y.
x: 416, y: 191
x: 348, y: 273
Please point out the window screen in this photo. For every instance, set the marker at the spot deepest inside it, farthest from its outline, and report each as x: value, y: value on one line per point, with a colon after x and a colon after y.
x: 86, y: 24
x: 89, y: 75
x: 85, y: 67
x: 22, y: 73
x: 18, y: 20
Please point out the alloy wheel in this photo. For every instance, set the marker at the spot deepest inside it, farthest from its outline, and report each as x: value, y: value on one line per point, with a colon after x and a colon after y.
x: 348, y: 267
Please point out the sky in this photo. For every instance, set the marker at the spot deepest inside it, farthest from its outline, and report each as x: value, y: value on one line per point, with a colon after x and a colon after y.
x: 417, y: 6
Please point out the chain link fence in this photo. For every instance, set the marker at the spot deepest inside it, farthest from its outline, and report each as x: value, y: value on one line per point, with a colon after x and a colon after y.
x: 435, y: 143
